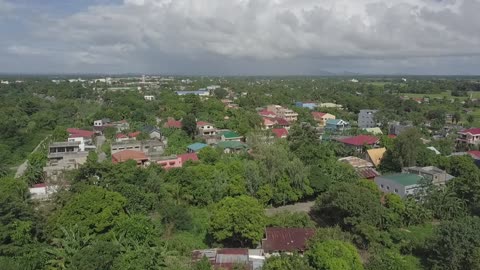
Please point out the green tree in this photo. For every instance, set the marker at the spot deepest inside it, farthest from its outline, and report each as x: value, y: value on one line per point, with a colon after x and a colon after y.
x: 287, y: 262
x: 392, y: 260
x: 239, y: 221
x: 95, y: 210
x: 189, y: 125
x: 334, y: 255
x: 209, y: 155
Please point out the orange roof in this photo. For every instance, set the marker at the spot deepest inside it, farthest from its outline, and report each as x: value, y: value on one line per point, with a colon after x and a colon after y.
x: 134, y: 134
x: 203, y: 123
x: 376, y: 155
x: 126, y: 155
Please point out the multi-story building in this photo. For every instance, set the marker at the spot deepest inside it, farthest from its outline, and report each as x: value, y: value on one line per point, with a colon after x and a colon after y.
x: 469, y: 136
x: 437, y: 176
x: 321, y: 118
x: 284, y: 113
x: 206, y: 129
x: 366, y: 119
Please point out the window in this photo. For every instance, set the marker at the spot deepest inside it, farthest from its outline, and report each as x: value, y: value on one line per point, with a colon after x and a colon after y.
x: 381, y: 185
x: 388, y: 188
x: 396, y: 190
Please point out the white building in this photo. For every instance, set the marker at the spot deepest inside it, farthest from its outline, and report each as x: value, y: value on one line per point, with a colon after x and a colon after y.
x: 42, y: 191
x: 149, y: 98
x: 4, y: 82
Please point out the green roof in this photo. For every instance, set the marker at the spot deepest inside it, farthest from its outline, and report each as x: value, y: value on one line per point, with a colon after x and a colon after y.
x: 196, y: 146
x: 404, y: 179
x: 232, y: 145
x: 230, y: 134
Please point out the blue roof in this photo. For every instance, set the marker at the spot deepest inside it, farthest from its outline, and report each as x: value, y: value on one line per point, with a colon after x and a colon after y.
x: 333, y: 121
x: 196, y: 146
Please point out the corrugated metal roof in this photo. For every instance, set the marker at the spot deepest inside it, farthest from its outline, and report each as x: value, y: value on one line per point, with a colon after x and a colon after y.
x: 286, y: 239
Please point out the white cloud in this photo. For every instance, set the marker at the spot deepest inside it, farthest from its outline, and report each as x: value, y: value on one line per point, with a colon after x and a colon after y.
x: 267, y: 29
x: 5, y: 6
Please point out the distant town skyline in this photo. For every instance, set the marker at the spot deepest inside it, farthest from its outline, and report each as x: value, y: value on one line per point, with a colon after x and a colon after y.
x: 240, y: 37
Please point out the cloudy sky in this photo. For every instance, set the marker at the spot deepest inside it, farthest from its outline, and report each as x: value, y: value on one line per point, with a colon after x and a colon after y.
x: 240, y: 37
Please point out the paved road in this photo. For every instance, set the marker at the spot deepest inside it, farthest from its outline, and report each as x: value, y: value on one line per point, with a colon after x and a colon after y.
x: 303, y: 207
x: 23, y: 167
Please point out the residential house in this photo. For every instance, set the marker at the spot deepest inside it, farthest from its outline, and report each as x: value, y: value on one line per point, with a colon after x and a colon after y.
x: 80, y: 133
x: 232, y: 147
x: 321, y: 118
x: 433, y: 174
x: 62, y: 157
x: 153, y: 132
x: 231, y: 258
x: 206, y: 129
x: 360, y: 141
x: 374, y: 130
x: 172, y: 123
x: 284, y: 113
x: 336, y: 125
x: 286, y: 240
x: 84, y: 144
x: 364, y: 168
x: 281, y: 133
x: 42, y: 191
x: 366, y: 119
x: 102, y: 122
x: 330, y: 105
x: 469, y: 137
x: 149, y: 98
x: 126, y: 155
x: 396, y: 128
x: 267, y: 113
x: 150, y: 147
x: 196, y: 147
x: 200, y: 93
x: 282, y: 123
x: 269, y: 123
x: 231, y: 136
x: 120, y: 137
x: 402, y: 184
x: 375, y: 156
x: 309, y: 105
x: 176, y: 161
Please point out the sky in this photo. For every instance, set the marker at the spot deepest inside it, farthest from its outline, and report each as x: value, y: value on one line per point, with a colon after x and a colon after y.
x: 241, y: 37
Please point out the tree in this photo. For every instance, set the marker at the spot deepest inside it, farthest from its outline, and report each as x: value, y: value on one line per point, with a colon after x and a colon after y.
x: 454, y: 244
x: 287, y: 262
x: 220, y: 92
x: 189, y: 125
x: 209, y: 155
x: 239, y: 221
x: 405, y: 153
x: 334, y: 255
x: 392, y: 260
x: 95, y: 210
x: 203, y: 264
x: 34, y: 173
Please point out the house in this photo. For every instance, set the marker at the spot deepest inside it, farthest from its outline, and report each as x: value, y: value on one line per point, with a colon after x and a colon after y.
x: 231, y: 258
x: 269, y: 123
x: 375, y: 156
x: 176, y: 161
x: 134, y: 135
x: 205, y: 129
x: 364, y: 168
x: 336, y: 125
x: 282, y: 123
x: 281, y: 133
x: 121, y: 125
x: 101, y: 122
x: 359, y: 141
x: 120, y: 137
x: 127, y: 155
x: 231, y: 136
x: 62, y: 157
x: 84, y: 144
x: 469, y: 137
x: 321, y: 118
x: 309, y: 105
x: 232, y: 147
x: 433, y: 174
x: 396, y: 128
x: 42, y: 191
x: 149, y: 98
x: 172, y: 123
x: 286, y: 240
x: 374, y: 130
x: 330, y: 105
x: 125, y: 145
x: 80, y: 133
x: 267, y: 113
x: 200, y: 93
x: 402, y: 184
x: 153, y: 132
x: 366, y: 119
x: 150, y: 147
x: 284, y: 113
x: 196, y: 147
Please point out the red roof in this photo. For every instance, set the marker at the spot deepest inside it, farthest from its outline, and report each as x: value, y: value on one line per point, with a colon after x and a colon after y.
x: 121, y: 136
x: 173, y: 124
x: 40, y: 185
x: 189, y: 156
x: 367, y: 173
x: 76, y: 133
x: 267, y: 113
x: 282, y: 121
x: 125, y: 155
x: 268, y: 121
x: 318, y: 114
x: 203, y: 123
x: 474, y: 154
x: 392, y: 136
x: 280, y: 132
x: 134, y: 134
x: 360, y: 140
x: 473, y: 131
x: 286, y: 239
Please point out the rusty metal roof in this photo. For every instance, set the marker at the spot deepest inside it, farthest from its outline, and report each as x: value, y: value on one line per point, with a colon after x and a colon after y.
x: 286, y: 239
